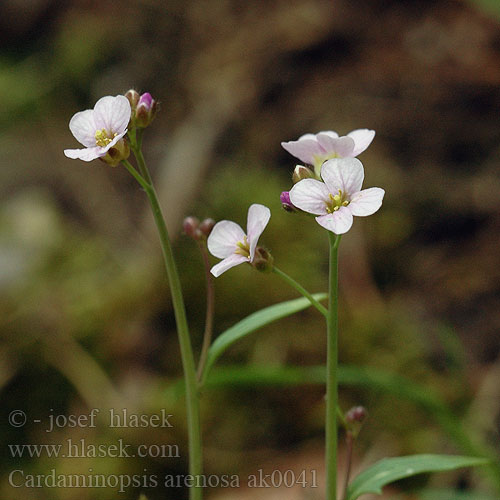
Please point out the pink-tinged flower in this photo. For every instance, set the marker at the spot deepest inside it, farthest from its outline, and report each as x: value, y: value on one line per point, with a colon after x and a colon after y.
x: 339, y: 197
x: 229, y: 242
x: 314, y: 149
x: 99, y: 129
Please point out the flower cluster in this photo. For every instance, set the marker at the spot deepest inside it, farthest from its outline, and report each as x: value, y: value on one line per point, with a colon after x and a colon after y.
x: 327, y: 186
x: 332, y: 191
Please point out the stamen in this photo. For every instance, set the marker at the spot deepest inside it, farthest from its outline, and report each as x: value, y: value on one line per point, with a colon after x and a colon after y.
x: 243, y: 248
x: 335, y: 202
x: 102, y: 138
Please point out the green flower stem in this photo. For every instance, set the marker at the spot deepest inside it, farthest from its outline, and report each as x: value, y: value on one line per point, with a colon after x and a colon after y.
x: 319, y: 307
x: 192, y: 395
x: 301, y: 290
x: 136, y: 175
x: 341, y: 418
x: 137, y: 149
x: 349, y: 448
x: 209, y: 316
x: 331, y: 372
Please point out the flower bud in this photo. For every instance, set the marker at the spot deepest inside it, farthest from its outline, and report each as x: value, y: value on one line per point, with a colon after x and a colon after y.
x: 301, y: 172
x: 146, y: 110
x: 120, y: 151
x: 190, y: 226
x: 133, y: 97
x: 263, y: 260
x: 355, y: 417
x: 286, y: 203
x: 206, y: 227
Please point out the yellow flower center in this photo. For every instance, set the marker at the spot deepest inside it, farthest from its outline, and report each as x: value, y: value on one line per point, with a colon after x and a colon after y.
x: 335, y: 202
x: 103, y: 137
x: 243, y: 248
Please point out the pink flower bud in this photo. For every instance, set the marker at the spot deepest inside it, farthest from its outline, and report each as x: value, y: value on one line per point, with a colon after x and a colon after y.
x: 356, y: 414
x: 206, y: 227
x: 190, y: 226
x: 146, y: 100
x: 145, y: 111
x: 286, y: 203
x: 355, y: 418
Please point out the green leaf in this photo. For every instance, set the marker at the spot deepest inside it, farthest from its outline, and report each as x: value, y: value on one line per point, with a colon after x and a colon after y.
x: 250, y: 376
x: 368, y: 378
x: 252, y: 323
x: 389, y: 470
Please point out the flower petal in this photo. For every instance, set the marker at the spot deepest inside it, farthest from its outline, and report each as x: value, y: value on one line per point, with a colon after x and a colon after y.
x: 362, y: 139
x: 112, y: 113
x: 346, y: 174
x: 82, y: 126
x: 306, y: 136
x: 258, y: 218
x: 87, y: 154
x: 341, y: 146
x: 339, y: 222
x: 305, y: 149
x: 228, y: 263
x: 330, y: 133
x: 367, y: 201
x: 224, y: 237
x: 106, y: 148
x: 310, y: 195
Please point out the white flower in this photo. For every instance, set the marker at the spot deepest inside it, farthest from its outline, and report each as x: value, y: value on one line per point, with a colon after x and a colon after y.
x: 99, y: 129
x: 314, y: 149
x: 339, y: 197
x: 229, y: 242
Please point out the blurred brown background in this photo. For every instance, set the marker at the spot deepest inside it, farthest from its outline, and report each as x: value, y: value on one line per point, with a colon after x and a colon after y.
x: 85, y: 310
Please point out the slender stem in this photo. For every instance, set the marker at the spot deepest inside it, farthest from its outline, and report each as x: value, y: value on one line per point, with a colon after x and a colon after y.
x: 209, y: 317
x: 137, y: 176
x: 132, y: 137
x: 301, y: 290
x: 341, y: 417
x: 319, y: 307
x: 350, y: 444
x: 137, y: 149
x: 192, y: 396
x: 331, y: 372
